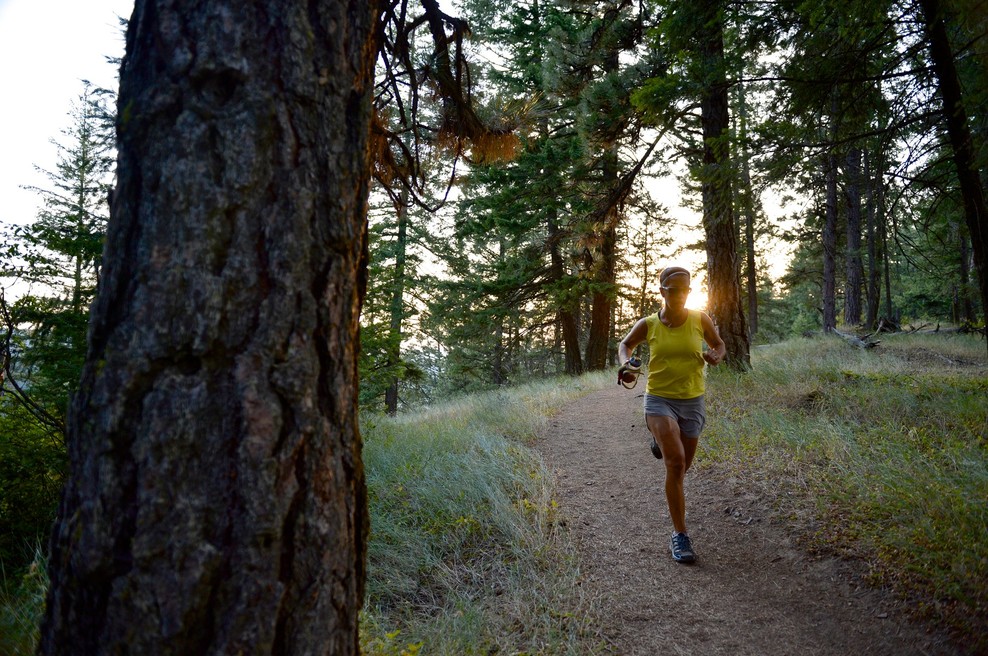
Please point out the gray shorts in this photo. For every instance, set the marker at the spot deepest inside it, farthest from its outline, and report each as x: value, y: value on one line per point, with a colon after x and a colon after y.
x: 690, y: 414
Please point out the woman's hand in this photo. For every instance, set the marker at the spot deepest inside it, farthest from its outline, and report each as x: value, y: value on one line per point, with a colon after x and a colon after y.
x: 716, y: 349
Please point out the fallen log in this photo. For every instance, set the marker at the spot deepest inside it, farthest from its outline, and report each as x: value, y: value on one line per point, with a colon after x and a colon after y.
x: 886, y: 325
x: 853, y: 340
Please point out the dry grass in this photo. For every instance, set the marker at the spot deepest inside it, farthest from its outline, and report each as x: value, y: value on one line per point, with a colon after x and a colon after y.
x: 22, y: 602
x: 887, y: 449
x: 466, y: 556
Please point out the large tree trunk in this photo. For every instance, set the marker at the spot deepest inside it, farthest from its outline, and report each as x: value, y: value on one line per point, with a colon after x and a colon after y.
x: 854, y: 270
x: 875, y: 213
x: 747, y: 201
x: 397, y: 308
x: 723, y: 289
x: 600, y: 309
x: 565, y: 315
x: 571, y: 341
x: 830, y: 247
x: 968, y: 177
x: 605, y: 269
x: 216, y: 501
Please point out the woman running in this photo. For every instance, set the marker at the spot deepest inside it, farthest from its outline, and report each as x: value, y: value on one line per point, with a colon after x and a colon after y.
x: 674, y: 409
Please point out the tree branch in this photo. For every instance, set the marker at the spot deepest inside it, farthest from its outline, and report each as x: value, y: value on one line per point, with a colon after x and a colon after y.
x: 54, y: 428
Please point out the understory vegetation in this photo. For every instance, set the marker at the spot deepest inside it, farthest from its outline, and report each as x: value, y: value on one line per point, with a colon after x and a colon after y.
x: 878, y: 455
x: 22, y: 602
x: 467, y: 555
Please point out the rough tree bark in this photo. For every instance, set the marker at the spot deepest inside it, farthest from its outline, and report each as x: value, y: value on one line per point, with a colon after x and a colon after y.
x: 830, y: 246
x: 216, y: 502
x: 600, y: 308
x: 961, y: 141
x: 565, y: 315
x: 853, y: 267
x: 605, y: 269
x: 723, y: 288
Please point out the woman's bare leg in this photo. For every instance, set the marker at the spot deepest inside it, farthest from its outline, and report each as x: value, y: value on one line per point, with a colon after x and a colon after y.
x: 677, y: 454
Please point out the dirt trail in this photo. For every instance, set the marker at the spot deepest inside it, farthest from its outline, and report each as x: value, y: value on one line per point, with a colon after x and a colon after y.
x: 752, y: 591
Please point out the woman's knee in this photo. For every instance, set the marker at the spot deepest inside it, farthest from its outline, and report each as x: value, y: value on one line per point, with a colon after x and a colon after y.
x: 675, y: 464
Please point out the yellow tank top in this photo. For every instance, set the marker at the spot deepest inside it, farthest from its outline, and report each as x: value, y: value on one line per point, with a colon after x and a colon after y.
x: 675, y: 365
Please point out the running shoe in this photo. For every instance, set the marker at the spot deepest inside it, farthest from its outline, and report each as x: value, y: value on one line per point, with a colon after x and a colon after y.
x: 656, y: 451
x: 682, y: 548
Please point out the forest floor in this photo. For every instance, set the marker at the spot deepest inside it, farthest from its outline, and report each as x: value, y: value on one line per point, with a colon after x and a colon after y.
x: 753, y: 590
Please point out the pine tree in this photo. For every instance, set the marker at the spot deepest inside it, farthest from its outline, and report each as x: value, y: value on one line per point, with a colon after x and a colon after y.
x: 693, y: 34
x: 56, y: 257
x: 216, y: 501
x: 845, y: 67
x: 964, y: 148
x: 517, y: 219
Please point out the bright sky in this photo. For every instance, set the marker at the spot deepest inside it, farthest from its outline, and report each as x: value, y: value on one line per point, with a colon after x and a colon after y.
x: 47, y: 48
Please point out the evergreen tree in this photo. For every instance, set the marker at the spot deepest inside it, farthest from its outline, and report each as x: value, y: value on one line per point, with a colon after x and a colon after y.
x: 574, y: 170
x: 513, y: 267
x: 962, y: 139
x: 219, y: 390
x: 213, y: 440
x: 851, y: 105
x: 694, y: 35
x: 57, y: 256
x: 57, y: 259
x: 395, y: 234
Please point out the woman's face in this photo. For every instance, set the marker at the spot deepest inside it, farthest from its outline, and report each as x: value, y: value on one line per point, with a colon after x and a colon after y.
x: 676, y: 289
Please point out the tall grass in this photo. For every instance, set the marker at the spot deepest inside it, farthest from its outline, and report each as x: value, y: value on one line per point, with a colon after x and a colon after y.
x: 880, y: 455
x: 885, y: 450
x: 465, y: 555
x: 22, y: 602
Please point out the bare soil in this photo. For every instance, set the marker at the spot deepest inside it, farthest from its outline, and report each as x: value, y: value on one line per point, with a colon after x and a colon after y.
x: 753, y: 590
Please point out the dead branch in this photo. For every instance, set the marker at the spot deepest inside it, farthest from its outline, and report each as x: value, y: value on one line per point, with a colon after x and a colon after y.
x: 853, y: 340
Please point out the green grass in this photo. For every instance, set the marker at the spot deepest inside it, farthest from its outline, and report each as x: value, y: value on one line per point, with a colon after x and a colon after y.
x: 877, y: 454
x: 22, y: 602
x: 466, y: 555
